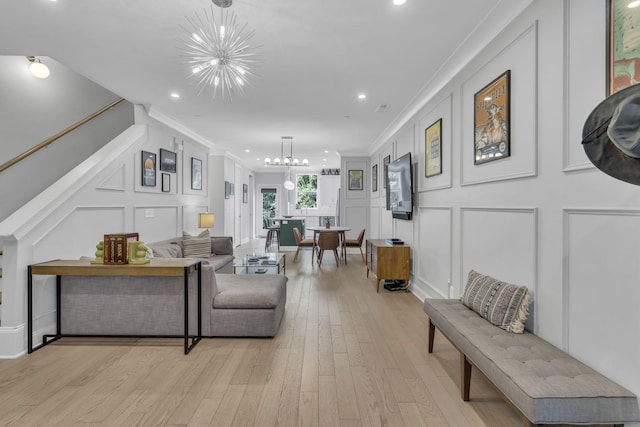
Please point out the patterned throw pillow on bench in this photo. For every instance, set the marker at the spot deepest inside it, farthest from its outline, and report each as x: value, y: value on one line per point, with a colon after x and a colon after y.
x: 502, y: 304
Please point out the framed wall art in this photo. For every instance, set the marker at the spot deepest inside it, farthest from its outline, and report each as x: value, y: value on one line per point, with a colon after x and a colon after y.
x: 374, y: 178
x: 245, y: 193
x: 166, y: 183
x: 148, y: 169
x: 623, y: 45
x: 385, y: 178
x: 167, y: 160
x: 491, y: 117
x: 227, y: 189
x: 196, y: 174
x: 433, y: 149
x: 355, y: 179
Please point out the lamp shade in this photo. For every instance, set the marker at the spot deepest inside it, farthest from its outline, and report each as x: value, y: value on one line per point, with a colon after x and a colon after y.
x: 206, y: 220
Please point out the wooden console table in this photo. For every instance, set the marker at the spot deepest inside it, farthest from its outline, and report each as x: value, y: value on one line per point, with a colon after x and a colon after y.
x: 388, y: 261
x: 175, y: 267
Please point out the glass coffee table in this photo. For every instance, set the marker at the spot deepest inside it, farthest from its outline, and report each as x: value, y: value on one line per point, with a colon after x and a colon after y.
x: 270, y: 263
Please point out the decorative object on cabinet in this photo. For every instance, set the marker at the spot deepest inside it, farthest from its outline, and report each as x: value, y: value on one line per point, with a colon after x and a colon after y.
x: 491, y: 120
x: 116, y: 247
x: 196, y: 174
x: 355, y: 179
x: 433, y: 149
x: 138, y: 253
x: 167, y: 160
x: 148, y: 169
x: 623, y: 46
x: 166, y: 183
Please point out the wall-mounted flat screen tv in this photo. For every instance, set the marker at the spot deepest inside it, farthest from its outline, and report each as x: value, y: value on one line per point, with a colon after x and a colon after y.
x: 400, y: 187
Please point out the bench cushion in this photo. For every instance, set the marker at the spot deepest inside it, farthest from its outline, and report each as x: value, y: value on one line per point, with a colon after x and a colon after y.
x: 547, y: 385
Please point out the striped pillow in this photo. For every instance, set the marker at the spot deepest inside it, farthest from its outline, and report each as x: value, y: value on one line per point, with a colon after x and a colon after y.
x: 196, y: 246
x: 502, y: 304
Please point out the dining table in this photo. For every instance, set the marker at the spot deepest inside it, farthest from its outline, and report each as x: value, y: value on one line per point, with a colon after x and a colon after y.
x: 333, y: 229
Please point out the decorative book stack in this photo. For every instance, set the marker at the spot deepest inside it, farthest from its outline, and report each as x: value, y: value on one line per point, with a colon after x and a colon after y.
x: 116, y: 247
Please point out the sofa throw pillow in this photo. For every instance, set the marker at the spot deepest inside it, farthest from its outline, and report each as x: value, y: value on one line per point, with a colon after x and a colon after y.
x: 502, y: 304
x: 196, y: 246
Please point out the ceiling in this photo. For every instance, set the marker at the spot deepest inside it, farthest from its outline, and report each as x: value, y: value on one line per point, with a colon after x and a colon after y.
x: 316, y: 57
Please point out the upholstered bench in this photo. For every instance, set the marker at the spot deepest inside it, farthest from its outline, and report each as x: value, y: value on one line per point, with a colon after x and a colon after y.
x: 544, y: 383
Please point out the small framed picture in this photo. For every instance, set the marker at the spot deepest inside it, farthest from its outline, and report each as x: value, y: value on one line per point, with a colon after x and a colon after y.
x: 166, y: 183
x: 167, y: 160
x: 227, y: 189
x: 148, y: 169
x: 356, y: 179
x: 623, y: 45
x: 245, y: 193
x: 491, y: 118
x: 374, y: 178
x: 196, y: 174
x: 433, y: 149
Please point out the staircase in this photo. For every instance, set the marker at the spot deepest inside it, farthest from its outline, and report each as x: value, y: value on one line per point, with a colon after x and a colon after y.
x: 1, y: 253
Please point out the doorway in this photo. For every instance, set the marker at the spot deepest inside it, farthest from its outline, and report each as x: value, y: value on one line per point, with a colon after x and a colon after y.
x: 267, y: 206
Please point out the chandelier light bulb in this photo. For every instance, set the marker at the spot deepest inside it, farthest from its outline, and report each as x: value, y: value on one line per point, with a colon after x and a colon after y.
x: 289, y: 185
x: 276, y: 160
x: 286, y: 161
x: 267, y: 160
x: 305, y: 162
x: 296, y: 161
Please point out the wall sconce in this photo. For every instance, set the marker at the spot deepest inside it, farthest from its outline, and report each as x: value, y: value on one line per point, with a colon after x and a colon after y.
x: 37, y: 68
x: 206, y: 220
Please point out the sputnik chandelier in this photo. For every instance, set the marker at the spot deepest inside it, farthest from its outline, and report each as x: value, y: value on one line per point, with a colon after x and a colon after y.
x: 219, y: 55
x: 285, y: 160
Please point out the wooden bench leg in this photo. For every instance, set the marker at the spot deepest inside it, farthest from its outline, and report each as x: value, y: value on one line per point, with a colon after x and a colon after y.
x: 465, y: 373
x: 432, y: 332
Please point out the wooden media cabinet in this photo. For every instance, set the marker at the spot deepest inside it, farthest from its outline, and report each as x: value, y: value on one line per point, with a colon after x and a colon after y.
x: 388, y: 261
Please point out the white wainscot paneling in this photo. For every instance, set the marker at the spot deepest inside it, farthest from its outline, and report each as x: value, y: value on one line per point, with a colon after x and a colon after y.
x: 585, y: 77
x: 374, y: 231
x: 443, y: 180
x: 601, y: 302
x: 520, y: 57
x: 116, y: 181
x: 501, y: 243
x: 85, y: 227
x: 158, y: 221
x: 356, y: 218
x: 433, y: 267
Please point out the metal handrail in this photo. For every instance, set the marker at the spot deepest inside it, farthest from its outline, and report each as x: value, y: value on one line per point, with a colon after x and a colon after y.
x: 57, y: 136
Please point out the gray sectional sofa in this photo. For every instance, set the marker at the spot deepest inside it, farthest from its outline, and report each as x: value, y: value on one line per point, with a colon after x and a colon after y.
x: 232, y: 305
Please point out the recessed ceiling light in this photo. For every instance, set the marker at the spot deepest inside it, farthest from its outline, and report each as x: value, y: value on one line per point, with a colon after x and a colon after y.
x: 175, y: 95
x: 326, y: 151
x: 633, y: 4
x: 362, y: 96
x: 399, y: 2
x: 258, y: 158
x: 246, y: 150
x: 324, y: 160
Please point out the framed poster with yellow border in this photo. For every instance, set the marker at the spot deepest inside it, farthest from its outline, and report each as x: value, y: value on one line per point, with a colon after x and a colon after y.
x: 491, y: 116
x: 433, y: 149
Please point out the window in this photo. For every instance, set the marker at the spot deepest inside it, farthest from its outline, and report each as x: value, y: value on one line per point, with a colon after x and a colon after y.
x: 307, y: 191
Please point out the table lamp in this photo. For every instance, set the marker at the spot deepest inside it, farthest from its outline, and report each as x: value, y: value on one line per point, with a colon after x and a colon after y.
x: 206, y: 220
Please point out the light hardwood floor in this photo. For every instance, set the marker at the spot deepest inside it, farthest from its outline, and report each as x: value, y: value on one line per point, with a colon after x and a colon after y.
x: 344, y: 356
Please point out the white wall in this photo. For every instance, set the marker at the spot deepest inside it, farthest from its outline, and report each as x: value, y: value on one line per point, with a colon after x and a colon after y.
x: 102, y: 195
x: 543, y: 217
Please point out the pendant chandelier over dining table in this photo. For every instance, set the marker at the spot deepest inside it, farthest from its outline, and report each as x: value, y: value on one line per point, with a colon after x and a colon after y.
x: 285, y: 160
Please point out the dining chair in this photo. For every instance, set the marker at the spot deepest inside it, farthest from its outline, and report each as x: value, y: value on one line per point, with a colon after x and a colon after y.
x: 356, y: 243
x: 302, y: 243
x: 329, y: 241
